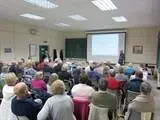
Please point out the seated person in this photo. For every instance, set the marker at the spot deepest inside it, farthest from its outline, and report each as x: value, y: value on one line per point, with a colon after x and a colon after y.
x: 23, y: 104
x: 142, y: 103
x: 53, y: 78
x: 134, y: 84
x: 120, y: 76
x: 5, y: 107
x: 76, y: 71
x: 82, y: 90
x: 113, y: 84
x: 103, y: 98
x: 129, y: 70
x: 94, y: 77
x: 64, y: 75
x: 46, y: 67
x: 59, y: 106
x: 38, y: 82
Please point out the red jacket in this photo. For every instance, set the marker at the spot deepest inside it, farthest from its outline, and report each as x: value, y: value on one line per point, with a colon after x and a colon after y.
x: 113, y: 84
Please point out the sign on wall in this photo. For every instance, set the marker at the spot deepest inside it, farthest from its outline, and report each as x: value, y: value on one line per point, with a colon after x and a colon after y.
x: 7, y: 50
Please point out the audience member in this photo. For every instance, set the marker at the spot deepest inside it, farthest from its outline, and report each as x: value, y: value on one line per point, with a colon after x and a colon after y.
x: 2, y: 78
x: 40, y: 66
x: 120, y: 76
x: 103, y: 98
x: 23, y: 104
x: 63, y: 74
x: 134, y: 84
x: 129, y: 70
x: 76, y: 74
x: 59, y: 106
x: 46, y: 67
x: 29, y: 73
x: 38, y: 82
x: 142, y: 103
x: 57, y: 66
x: 94, y: 77
x: 53, y: 78
x: 113, y: 84
x: 106, y: 72
x: 1, y: 66
x: 82, y: 90
x: 103, y: 103
x: 8, y: 94
x: 20, y: 70
x: 13, y: 67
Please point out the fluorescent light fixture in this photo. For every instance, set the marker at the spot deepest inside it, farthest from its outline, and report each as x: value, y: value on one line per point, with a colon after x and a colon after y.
x: 77, y: 17
x: 43, y: 3
x: 104, y: 5
x: 120, y: 19
x: 63, y: 25
x: 31, y: 16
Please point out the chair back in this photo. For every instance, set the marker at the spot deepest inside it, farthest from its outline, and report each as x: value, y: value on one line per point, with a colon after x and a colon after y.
x: 141, y: 116
x: 22, y: 118
x: 131, y: 95
x: 98, y: 113
x: 146, y: 116
x: 67, y: 84
x: 81, y: 109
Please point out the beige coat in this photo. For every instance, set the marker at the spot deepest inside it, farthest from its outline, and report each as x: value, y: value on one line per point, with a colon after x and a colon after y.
x: 141, y: 104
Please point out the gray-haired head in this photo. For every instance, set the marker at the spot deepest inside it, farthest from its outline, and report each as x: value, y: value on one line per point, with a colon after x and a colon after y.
x: 65, y: 67
x: 112, y: 73
x: 146, y: 88
x: 103, y: 84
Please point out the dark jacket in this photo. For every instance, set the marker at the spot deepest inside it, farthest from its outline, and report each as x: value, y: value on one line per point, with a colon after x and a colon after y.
x: 134, y: 85
x: 64, y: 75
x: 26, y: 107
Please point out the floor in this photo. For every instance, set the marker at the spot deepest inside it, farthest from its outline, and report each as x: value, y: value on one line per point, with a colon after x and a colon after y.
x: 156, y: 94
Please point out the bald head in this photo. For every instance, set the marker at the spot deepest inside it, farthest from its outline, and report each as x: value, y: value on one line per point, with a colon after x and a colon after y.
x: 21, y: 90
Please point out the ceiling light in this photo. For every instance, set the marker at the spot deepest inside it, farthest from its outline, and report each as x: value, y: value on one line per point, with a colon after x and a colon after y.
x: 31, y: 16
x: 77, y: 17
x: 63, y: 25
x: 104, y: 5
x: 42, y: 3
x: 120, y: 19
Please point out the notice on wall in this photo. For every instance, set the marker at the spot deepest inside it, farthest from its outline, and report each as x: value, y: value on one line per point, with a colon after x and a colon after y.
x: 7, y: 50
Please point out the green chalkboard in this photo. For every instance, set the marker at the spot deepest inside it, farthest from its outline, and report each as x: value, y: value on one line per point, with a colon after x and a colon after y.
x: 76, y: 48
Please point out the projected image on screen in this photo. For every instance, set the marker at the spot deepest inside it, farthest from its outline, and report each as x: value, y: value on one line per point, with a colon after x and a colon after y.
x: 105, y: 44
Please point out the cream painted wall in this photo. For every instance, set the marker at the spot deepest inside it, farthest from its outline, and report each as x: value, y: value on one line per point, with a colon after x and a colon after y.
x: 135, y: 36
x: 17, y: 37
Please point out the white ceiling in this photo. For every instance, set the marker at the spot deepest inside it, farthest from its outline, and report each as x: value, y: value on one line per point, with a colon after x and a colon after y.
x: 140, y: 13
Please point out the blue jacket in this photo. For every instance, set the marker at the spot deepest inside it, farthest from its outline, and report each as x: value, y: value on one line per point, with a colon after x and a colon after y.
x: 26, y: 107
x: 129, y: 71
x: 134, y: 85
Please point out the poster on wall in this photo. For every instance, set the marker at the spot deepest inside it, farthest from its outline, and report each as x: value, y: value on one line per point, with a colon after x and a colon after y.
x: 138, y: 49
x: 7, y: 50
x: 32, y: 50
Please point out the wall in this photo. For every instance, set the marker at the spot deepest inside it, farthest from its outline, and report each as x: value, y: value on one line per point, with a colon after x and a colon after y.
x: 142, y: 36
x: 17, y: 37
x: 135, y: 36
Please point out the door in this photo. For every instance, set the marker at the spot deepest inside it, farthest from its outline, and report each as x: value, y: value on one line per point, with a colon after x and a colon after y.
x: 42, y: 50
